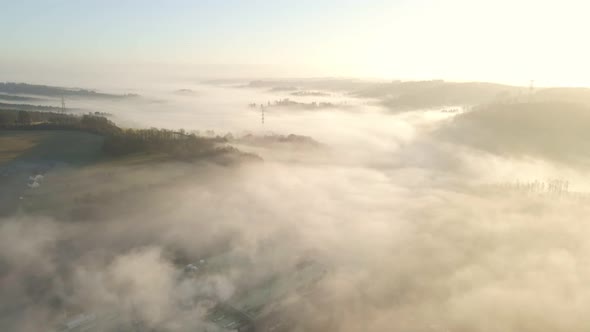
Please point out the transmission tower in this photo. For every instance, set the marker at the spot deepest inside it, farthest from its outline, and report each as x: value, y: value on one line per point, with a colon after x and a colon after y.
x: 262, y: 114
x: 531, y: 90
x: 63, y: 104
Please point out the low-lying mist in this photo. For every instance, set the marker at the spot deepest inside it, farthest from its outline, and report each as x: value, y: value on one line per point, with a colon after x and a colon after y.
x: 422, y: 221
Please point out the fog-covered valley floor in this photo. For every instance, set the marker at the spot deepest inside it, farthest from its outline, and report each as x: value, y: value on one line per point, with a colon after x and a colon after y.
x: 380, y: 212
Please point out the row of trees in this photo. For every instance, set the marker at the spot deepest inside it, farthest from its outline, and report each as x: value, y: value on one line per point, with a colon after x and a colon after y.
x: 11, y: 119
x: 15, y: 118
x: 553, y: 186
x: 286, y: 102
x: 177, y: 144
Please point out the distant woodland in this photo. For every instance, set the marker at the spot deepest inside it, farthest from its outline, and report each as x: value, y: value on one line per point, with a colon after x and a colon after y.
x: 411, y: 95
x: 52, y: 91
x: 119, y: 141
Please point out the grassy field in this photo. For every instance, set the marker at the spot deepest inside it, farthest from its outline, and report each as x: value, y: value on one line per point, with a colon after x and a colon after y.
x: 78, y: 178
x: 27, y: 153
x: 70, y: 147
x: 76, y: 172
x: 13, y: 144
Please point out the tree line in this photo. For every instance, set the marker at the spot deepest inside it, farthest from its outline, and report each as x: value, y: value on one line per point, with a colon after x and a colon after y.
x: 123, y: 141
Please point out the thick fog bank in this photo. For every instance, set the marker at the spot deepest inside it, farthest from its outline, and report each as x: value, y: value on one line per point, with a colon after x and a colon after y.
x: 427, y: 220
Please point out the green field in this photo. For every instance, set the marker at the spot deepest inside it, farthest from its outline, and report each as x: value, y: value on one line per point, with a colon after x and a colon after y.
x: 12, y: 145
x: 72, y: 147
x: 78, y: 177
x: 26, y: 153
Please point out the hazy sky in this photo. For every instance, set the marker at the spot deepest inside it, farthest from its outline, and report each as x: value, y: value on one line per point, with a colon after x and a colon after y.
x: 508, y: 41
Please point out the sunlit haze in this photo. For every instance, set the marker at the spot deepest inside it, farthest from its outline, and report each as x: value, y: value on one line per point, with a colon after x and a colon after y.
x: 500, y: 41
x: 294, y: 166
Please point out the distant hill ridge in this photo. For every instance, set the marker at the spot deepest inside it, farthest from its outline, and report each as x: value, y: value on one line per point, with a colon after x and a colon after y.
x: 53, y: 91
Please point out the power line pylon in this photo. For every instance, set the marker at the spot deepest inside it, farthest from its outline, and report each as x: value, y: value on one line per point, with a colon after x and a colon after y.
x: 63, y: 104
